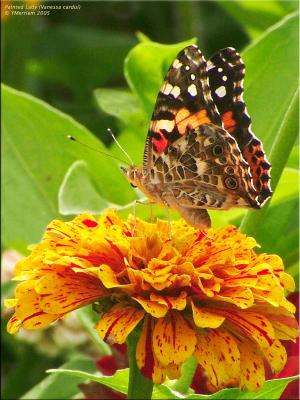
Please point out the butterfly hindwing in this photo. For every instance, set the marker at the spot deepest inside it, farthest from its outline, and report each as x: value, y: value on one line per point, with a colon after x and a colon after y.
x: 205, y: 169
x: 226, y: 71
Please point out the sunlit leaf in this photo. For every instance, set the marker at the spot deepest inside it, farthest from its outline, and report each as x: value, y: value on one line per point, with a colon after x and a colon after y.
x: 36, y: 157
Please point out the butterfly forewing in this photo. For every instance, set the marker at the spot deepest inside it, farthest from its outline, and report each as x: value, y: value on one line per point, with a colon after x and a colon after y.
x: 184, y: 101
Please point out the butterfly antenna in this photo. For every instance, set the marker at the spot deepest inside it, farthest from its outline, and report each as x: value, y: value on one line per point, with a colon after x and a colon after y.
x: 120, y: 147
x: 96, y: 150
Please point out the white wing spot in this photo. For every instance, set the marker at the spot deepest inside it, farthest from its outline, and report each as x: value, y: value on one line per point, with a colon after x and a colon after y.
x: 175, y: 91
x: 187, y: 67
x: 221, y: 91
x: 193, y: 77
x: 192, y: 90
x: 210, y: 65
x: 224, y: 78
x: 177, y: 64
x: 220, y: 69
x: 167, y: 88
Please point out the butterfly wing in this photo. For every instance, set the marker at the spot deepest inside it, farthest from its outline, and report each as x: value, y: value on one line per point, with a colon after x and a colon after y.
x: 183, y: 103
x: 226, y: 72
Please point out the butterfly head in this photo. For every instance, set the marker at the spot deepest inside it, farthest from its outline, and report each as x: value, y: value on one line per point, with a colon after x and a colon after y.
x: 134, y: 175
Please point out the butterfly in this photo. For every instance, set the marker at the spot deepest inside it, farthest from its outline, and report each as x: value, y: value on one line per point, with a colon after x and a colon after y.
x: 200, y: 152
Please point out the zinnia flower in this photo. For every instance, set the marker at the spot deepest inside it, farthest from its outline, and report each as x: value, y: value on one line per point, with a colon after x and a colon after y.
x: 202, y: 293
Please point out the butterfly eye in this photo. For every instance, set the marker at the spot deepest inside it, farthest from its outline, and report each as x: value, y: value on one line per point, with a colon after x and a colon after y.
x: 133, y: 185
x: 217, y: 150
x: 231, y: 183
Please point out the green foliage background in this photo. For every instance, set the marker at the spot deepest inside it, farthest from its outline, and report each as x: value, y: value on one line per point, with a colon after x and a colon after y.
x: 79, y: 73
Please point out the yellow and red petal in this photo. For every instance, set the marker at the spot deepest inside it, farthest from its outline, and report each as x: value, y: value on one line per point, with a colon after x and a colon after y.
x: 173, y: 303
x: 252, y: 325
x: 241, y: 297
x: 28, y: 312
x: 59, y: 294
x: 252, y: 366
x: 153, y: 308
x: 145, y: 357
x: 174, y: 339
x: 109, y: 279
x: 117, y: 323
x: 206, y: 318
x: 218, y: 354
x: 276, y: 356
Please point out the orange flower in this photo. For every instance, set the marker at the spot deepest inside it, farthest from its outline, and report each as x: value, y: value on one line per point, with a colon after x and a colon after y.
x: 203, y: 294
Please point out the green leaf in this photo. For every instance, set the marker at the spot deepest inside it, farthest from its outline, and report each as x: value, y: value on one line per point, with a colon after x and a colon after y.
x: 188, y: 369
x: 272, y: 86
x: 257, y: 16
x: 145, y: 68
x: 36, y: 157
x: 271, y: 390
x: 73, y: 201
x: 61, y: 387
x: 79, y: 57
x: 293, y: 161
x: 89, y: 318
x: 118, y: 103
x: 118, y: 381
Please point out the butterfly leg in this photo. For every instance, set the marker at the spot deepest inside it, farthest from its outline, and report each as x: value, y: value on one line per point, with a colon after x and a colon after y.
x: 169, y: 224
x: 136, y: 202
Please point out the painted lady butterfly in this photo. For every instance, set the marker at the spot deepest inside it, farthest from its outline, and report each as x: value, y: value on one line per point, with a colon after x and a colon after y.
x: 200, y: 152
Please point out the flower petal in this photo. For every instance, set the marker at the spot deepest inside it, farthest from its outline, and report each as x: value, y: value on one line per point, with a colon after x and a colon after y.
x: 28, y: 312
x: 152, y: 307
x: 60, y: 294
x: 109, y: 279
x: 276, y: 356
x: 218, y: 354
x: 145, y: 357
x: 253, y: 325
x: 173, y: 339
x: 173, y: 303
x: 205, y: 318
x: 241, y: 297
x: 116, y: 324
x: 252, y: 366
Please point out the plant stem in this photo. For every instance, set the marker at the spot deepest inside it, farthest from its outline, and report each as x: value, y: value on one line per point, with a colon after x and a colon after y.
x: 139, y: 387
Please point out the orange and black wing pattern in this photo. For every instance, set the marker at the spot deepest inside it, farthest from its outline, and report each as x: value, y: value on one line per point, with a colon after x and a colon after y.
x: 183, y: 103
x: 226, y: 72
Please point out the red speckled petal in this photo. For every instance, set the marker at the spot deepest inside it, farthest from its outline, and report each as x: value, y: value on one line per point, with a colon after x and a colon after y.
x: 173, y: 339
x: 252, y: 325
x: 145, y: 358
x: 152, y: 307
x: 116, y: 324
x: 218, y: 354
x: 28, y: 312
x: 241, y: 297
x: 205, y: 318
x: 276, y: 356
x: 252, y: 366
x: 64, y: 293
